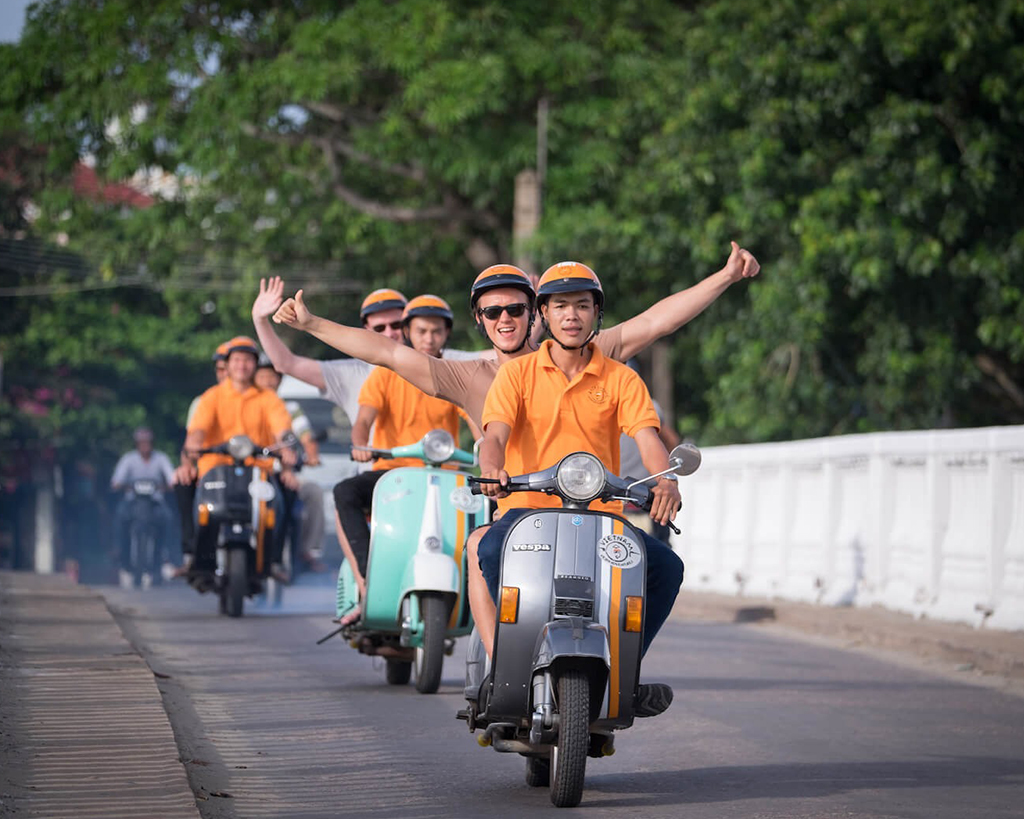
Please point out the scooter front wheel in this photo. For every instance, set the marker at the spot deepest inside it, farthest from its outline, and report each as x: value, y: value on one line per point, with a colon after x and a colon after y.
x: 569, y: 756
x: 430, y: 656
x: 237, y: 582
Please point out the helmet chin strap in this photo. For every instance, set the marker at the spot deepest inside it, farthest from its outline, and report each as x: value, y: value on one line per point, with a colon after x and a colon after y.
x: 581, y: 347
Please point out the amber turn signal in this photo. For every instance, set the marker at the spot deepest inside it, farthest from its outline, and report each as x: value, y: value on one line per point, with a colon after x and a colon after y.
x: 270, y: 518
x: 204, y: 514
x: 509, y: 609
x: 634, y: 613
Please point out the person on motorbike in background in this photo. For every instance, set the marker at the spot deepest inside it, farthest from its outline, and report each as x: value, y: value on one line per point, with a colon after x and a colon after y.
x: 567, y: 397
x: 185, y: 489
x: 502, y: 301
x: 143, y: 463
x: 339, y: 380
x: 399, y: 413
x: 234, y: 407
x: 310, y: 516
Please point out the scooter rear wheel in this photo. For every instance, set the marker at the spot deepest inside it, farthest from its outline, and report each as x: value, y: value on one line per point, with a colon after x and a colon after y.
x: 538, y: 771
x: 398, y: 672
x: 569, y: 756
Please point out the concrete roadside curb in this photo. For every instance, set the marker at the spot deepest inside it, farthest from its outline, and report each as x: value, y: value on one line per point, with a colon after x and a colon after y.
x: 944, y: 646
x: 83, y: 731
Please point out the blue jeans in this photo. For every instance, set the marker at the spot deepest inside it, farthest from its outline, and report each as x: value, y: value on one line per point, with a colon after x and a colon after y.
x: 664, y: 571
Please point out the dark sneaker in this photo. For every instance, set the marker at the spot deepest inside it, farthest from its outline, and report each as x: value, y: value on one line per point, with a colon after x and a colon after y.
x: 651, y: 699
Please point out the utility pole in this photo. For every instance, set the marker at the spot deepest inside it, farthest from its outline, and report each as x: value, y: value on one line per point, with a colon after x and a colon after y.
x: 528, y: 204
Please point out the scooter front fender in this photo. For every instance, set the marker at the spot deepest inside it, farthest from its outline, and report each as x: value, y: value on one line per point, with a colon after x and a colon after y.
x: 429, y: 571
x: 571, y: 639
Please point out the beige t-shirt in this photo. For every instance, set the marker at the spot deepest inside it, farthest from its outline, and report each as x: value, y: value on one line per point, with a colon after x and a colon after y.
x: 465, y: 383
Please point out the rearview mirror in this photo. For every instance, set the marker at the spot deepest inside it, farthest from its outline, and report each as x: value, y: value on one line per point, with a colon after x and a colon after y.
x: 685, y: 459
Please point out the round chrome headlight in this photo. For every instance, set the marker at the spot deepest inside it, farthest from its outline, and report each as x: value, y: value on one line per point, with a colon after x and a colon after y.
x: 438, y: 446
x: 240, y: 447
x: 580, y: 477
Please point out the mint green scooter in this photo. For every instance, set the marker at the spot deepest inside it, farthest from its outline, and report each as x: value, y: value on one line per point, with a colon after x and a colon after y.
x: 416, y: 602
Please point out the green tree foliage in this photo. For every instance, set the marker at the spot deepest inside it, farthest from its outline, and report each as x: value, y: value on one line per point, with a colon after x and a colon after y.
x: 866, y: 150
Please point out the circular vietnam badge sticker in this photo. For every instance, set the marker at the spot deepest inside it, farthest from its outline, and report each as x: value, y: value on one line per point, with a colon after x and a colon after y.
x: 463, y: 499
x: 618, y: 550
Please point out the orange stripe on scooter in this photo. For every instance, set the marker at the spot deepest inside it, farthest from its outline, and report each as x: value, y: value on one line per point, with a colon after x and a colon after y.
x: 615, y: 628
x: 460, y: 545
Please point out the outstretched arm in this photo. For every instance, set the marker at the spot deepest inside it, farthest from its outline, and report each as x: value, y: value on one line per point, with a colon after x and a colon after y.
x: 283, y: 359
x: 672, y: 312
x: 373, y: 348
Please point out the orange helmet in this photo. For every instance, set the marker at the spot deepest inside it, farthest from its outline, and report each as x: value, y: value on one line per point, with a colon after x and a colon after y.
x: 427, y: 305
x: 501, y: 275
x: 220, y: 353
x: 569, y: 277
x: 383, y: 299
x: 241, y: 344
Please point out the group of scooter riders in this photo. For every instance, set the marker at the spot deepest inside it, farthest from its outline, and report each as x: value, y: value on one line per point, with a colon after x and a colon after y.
x: 529, y: 402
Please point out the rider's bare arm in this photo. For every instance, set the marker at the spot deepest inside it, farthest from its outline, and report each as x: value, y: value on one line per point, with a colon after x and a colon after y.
x: 655, y: 459
x: 672, y: 312
x: 361, y: 431
x: 284, y: 360
x: 492, y: 456
x: 373, y: 348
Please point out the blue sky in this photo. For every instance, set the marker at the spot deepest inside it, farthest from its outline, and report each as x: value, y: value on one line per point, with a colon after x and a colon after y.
x: 12, y: 18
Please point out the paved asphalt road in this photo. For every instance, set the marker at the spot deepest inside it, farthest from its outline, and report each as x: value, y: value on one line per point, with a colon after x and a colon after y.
x: 269, y: 724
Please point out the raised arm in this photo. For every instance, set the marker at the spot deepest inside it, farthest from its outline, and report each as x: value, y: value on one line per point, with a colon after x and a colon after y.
x: 373, y: 348
x: 672, y: 312
x: 284, y: 360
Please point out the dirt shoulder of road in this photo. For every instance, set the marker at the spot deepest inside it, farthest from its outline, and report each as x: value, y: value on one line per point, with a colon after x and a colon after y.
x: 974, y: 655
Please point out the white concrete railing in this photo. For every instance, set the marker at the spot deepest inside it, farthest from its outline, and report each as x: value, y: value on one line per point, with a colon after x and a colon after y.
x: 930, y: 523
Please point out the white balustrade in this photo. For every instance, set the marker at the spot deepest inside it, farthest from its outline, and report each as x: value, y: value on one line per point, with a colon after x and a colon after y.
x: 930, y: 523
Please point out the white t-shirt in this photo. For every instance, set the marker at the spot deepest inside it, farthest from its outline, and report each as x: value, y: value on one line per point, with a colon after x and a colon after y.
x: 133, y: 467
x: 344, y: 378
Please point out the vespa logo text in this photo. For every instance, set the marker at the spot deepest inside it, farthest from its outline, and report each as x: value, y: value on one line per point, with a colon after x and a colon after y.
x: 531, y: 547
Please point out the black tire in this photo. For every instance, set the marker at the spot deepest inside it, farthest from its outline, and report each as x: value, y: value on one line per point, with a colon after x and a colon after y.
x: 538, y: 771
x: 569, y: 756
x: 237, y: 582
x: 434, y: 614
x: 398, y: 672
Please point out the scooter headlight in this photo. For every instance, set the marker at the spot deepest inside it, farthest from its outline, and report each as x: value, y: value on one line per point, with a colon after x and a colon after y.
x: 580, y: 477
x: 240, y: 447
x: 438, y: 446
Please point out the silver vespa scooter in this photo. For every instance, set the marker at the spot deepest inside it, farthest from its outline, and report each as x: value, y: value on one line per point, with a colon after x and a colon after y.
x: 567, y: 646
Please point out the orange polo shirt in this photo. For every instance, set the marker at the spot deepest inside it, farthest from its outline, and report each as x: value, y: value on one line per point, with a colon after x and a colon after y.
x: 551, y: 416
x: 404, y: 414
x: 223, y: 411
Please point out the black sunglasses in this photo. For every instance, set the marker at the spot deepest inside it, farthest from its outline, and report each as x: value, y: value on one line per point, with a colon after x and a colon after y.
x: 379, y: 328
x: 494, y: 312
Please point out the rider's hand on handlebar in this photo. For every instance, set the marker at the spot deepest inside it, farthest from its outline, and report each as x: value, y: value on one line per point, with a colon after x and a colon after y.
x: 494, y: 490
x: 665, y: 500
x: 361, y: 455
x: 288, y: 456
x: 185, y: 474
